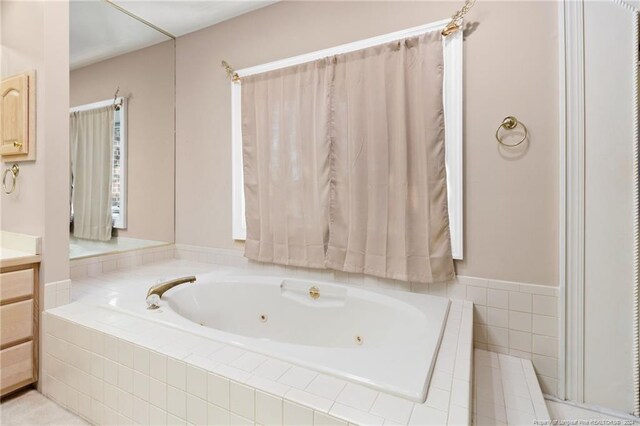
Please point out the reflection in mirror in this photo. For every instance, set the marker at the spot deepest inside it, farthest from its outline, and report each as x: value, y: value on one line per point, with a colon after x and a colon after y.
x: 121, y: 132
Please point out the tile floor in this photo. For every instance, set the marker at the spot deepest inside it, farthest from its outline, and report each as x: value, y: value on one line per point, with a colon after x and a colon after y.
x: 30, y: 408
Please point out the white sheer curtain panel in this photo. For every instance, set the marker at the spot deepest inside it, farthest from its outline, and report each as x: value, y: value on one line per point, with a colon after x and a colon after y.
x: 91, y: 134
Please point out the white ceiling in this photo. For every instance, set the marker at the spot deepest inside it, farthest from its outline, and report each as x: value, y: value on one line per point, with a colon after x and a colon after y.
x: 99, y: 31
x: 180, y: 17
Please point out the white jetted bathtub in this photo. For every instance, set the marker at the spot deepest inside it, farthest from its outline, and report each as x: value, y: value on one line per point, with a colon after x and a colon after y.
x: 386, y: 340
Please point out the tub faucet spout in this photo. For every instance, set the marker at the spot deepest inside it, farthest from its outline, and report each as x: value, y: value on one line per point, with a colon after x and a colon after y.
x: 155, y: 292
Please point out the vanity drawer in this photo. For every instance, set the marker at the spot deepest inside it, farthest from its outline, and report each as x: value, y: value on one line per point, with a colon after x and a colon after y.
x: 16, y: 285
x: 16, y: 322
x: 16, y: 367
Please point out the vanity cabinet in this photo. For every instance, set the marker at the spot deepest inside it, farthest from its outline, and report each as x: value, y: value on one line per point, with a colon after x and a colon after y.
x: 18, y: 326
x: 17, y: 117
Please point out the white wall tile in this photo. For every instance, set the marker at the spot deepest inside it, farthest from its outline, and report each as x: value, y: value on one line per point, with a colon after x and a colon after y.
x: 543, y: 345
x: 125, y: 403
x: 249, y: 361
x: 296, y: 415
x: 218, y: 390
x: 519, y: 301
x: 480, y: 314
x: 158, y: 366
x: 392, y: 408
x: 158, y: 393
x: 236, y: 420
x: 497, y: 336
x: 242, y: 400
x: 309, y: 400
x: 171, y: 419
x: 272, y: 369
x: 520, y: 321
x: 320, y: 419
x: 111, y: 396
x: 545, y: 366
x: 269, y: 386
x: 356, y: 416
x: 97, y: 389
x: 141, y: 359
x: 141, y: 385
x: 97, y: 412
x: 196, y: 410
x: 438, y: 399
x: 176, y: 373
x: 111, y: 417
x: 326, y: 386
x: 498, y: 317
x: 497, y: 298
x: 140, y: 411
x: 357, y: 396
x: 545, y: 305
x: 298, y: 377
x: 97, y: 365
x: 157, y: 417
x: 197, y: 381
x: 176, y: 402
x: 111, y: 347
x: 268, y: 409
x: 548, y: 385
x: 480, y: 333
x: 477, y: 295
x: 125, y: 378
x: 520, y: 340
x: 544, y: 325
x: 217, y: 415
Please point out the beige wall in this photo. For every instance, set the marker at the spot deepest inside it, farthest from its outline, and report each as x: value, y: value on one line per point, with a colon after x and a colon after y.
x: 511, y: 224
x: 34, y: 37
x: 146, y: 76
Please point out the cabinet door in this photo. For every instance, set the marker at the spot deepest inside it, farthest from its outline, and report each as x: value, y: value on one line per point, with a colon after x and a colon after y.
x: 16, y: 367
x: 16, y: 322
x: 14, y: 115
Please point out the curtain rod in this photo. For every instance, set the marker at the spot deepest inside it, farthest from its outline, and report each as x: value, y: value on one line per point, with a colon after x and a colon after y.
x: 453, y: 25
x: 96, y: 105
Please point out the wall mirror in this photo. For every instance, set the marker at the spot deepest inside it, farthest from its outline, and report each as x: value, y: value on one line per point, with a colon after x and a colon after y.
x: 122, y: 127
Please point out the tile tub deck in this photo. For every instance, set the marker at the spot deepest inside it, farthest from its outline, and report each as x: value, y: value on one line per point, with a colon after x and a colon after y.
x: 111, y: 367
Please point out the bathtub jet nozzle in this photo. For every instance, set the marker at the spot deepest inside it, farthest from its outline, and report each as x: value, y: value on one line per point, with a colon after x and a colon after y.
x: 155, y: 292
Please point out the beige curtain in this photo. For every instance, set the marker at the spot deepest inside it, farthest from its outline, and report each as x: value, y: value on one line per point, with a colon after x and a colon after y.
x: 91, y: 134
x: 285, y: 119
x: 389, y: 213
x: 345, y: 163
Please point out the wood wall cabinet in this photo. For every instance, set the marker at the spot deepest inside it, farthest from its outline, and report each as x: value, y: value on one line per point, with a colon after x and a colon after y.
x: 17, y: 117
x: 18, y: 327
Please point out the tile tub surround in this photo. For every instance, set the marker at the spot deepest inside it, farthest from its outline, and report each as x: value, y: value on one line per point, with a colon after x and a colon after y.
x: 512, y: 318
x: 112, y: 367
x: 97, y: 265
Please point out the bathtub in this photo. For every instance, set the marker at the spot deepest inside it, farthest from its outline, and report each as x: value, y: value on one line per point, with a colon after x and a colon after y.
x: 386, y: 340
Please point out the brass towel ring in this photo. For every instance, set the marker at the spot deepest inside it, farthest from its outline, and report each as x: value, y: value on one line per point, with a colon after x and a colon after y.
x: 510, y: 123
x: 14, y: 176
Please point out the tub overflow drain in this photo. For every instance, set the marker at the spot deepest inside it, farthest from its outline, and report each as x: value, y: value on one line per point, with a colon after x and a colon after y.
x: 263, y: 318
x: 359, y: 340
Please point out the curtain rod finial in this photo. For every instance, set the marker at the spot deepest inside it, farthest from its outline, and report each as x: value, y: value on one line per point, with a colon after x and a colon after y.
x: 451, y: 28
x: 231, y: 73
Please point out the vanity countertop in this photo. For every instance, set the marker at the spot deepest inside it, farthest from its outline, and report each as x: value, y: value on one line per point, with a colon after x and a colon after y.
x: 18, y: 249
x: 10, y: 257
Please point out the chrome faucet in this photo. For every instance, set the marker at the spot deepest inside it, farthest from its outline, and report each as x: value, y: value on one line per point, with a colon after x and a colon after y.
x: 155, y: 292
